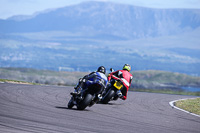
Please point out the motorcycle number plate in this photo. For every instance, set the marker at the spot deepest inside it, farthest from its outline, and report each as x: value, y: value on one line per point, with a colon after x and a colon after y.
x: 118, y: 85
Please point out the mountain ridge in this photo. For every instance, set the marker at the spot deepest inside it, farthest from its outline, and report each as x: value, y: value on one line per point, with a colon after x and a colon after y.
x: 84, y: 36
x: 114, y: 19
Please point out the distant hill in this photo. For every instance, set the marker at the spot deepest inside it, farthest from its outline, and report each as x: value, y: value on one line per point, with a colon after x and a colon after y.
x: 163, y: 80
x: 84, y: 36
x: 150, y: 79
x: 104, y: 18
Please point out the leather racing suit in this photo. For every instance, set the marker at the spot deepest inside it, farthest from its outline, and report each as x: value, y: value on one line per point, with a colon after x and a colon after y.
x: 91, y: 79
x: 125, y: 77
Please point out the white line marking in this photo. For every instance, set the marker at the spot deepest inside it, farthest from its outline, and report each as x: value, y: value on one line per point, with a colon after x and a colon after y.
x: 173, y: 106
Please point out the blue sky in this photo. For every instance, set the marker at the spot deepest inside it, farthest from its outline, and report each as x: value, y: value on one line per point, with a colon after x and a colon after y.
x: 9, y: 8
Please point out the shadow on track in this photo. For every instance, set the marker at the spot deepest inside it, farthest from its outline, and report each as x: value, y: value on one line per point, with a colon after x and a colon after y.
x: 110, y: 103
x: 58, y: 107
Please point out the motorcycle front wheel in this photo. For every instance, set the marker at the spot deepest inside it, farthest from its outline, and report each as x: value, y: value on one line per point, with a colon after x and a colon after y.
x: 85, y: 102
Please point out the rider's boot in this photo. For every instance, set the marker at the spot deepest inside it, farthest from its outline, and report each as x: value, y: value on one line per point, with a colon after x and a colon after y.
x: 77, y: 89
x: 99, y: 97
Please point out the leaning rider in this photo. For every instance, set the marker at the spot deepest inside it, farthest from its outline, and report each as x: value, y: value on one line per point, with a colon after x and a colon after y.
x: 126, y: 77
x: 89, y: 79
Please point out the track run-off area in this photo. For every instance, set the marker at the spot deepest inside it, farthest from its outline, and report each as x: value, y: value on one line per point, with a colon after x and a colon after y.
x: 43, y: 109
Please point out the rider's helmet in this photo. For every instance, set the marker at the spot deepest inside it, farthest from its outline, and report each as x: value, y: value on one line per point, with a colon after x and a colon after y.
x: 101, y: 69
x: 127, y: 67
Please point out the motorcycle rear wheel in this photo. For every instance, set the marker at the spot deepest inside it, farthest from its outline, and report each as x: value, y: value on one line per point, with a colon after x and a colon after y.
x: 70, y: 103
x: 108, y: 96
x: 85, y: 102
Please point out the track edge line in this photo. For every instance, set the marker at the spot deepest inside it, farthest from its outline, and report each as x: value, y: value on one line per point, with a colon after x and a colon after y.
x: 173, y: 106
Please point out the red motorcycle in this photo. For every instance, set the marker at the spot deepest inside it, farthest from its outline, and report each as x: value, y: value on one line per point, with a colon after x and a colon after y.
x: 113, y: 90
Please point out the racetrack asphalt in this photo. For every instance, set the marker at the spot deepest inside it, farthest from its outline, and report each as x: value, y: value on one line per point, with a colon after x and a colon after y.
x: 43, y: 109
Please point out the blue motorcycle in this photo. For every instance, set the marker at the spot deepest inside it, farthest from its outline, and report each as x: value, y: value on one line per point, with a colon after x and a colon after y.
x: 90, y: 93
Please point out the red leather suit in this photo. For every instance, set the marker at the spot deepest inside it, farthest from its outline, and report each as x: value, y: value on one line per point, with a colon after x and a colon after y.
x: 125, y: 77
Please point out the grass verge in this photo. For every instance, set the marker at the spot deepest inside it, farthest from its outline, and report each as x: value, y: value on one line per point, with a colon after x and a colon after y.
x: 167, y: 91
x: 190, y: 105
x: 164, y: 91
x: 16, y: 82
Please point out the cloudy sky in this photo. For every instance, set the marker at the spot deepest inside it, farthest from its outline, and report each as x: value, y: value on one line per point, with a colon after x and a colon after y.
x: 9, y: 8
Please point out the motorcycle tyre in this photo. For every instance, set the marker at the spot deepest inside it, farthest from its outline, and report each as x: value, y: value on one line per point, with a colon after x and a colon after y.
x: 70, y: 103
x: 85, y: 102
x: 108, y: 96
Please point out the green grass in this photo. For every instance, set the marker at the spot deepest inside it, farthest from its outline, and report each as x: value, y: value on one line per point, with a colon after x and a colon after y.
x: 156, y: 81
x: 166, y: 91
x: 163, y: 91
x: 41, y: 76
x: 16, y: 81
x: 150, y: 77
x: 190, y: 105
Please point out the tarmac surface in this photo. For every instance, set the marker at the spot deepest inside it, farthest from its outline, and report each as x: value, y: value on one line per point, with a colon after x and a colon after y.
x: 43, y: 109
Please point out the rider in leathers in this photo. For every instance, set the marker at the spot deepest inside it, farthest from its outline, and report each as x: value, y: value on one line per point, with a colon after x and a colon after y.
x: 126, y: 78
x: 91, y: 78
